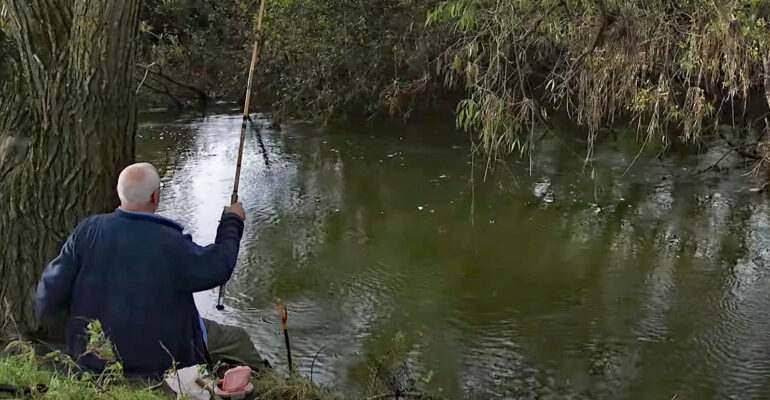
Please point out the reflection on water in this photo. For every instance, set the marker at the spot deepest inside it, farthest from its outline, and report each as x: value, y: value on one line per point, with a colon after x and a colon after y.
x: 646, y: 283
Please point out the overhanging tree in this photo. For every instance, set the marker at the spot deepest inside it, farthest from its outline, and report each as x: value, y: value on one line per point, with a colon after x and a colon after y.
x: 67, y: 122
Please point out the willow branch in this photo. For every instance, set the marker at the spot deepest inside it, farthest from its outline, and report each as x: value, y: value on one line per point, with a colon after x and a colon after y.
x: 148, y: 68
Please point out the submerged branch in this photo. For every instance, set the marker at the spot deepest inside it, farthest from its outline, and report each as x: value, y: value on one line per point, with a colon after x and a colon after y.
x: 738, y: 148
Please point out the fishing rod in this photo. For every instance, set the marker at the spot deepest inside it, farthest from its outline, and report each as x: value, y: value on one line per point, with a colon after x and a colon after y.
x: 254, y: 59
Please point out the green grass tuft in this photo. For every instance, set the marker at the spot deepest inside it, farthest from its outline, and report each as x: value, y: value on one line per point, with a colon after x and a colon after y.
x: 24, y: 369
x: 21, y: 367
x: 272, y: 385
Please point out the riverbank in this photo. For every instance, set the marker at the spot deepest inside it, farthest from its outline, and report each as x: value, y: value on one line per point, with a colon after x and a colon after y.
x: 21, y: 367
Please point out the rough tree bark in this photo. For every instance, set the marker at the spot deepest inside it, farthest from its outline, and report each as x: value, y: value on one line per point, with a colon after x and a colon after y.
x: 67, y: 122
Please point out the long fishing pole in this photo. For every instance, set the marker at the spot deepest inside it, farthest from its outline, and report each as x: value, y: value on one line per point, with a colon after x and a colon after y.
x: 254, y: 59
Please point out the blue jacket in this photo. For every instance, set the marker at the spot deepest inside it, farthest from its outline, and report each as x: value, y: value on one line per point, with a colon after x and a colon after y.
x: 136, y: 273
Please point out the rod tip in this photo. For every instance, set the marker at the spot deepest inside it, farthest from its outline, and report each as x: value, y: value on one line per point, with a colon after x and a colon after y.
x: 220, y: 307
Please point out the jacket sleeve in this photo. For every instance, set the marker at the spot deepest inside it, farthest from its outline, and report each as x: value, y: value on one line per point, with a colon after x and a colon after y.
x: 54, y: 291
x: 204, y: 268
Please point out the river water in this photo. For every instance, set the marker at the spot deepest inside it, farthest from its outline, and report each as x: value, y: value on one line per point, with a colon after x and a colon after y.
x: 559, y: 281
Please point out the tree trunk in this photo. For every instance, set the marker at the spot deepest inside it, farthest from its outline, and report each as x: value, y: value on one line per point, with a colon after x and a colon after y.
x: 67, y: 122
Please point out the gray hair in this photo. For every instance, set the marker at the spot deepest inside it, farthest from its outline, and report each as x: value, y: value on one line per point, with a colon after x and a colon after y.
x: 136, y: 184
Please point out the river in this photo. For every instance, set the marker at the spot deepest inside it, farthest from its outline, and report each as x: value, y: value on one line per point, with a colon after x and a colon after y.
x: 640, y: 278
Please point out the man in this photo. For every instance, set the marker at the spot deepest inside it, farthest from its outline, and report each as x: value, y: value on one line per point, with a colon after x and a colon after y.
x: 136, y: 273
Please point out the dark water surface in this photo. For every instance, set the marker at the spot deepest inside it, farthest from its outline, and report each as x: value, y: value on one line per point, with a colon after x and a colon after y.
x: 650, y: 284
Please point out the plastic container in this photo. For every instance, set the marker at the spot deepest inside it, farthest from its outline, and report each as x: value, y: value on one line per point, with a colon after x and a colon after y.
x: 235, y: 384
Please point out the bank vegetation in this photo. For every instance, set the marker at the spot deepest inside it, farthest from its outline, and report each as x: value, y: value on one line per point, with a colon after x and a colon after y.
x: 679, y: 71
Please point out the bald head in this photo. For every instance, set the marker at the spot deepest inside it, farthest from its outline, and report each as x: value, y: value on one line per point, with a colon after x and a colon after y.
x: 139, y: 188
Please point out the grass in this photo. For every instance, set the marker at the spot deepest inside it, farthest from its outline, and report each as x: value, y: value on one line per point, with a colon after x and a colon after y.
x: 274, y: 386
x: 21, y: 367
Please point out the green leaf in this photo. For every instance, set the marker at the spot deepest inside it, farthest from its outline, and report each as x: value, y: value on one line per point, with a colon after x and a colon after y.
x: 458, y: 63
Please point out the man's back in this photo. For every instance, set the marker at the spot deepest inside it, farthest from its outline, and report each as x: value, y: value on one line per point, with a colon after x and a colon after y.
x: 136, y: 272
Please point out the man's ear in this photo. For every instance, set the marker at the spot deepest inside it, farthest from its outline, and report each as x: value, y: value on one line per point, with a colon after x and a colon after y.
x: 155, y: 197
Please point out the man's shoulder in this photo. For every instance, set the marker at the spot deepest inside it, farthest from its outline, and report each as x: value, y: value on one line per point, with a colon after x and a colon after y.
x: 90, y: 221
x: 146, y: 217
x: 121, y: 220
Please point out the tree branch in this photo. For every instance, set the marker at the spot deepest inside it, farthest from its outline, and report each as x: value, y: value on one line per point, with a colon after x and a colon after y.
x: 602, y: 24
x: 766, y: 70
x: 166, y: 92
x: 202, y: 96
